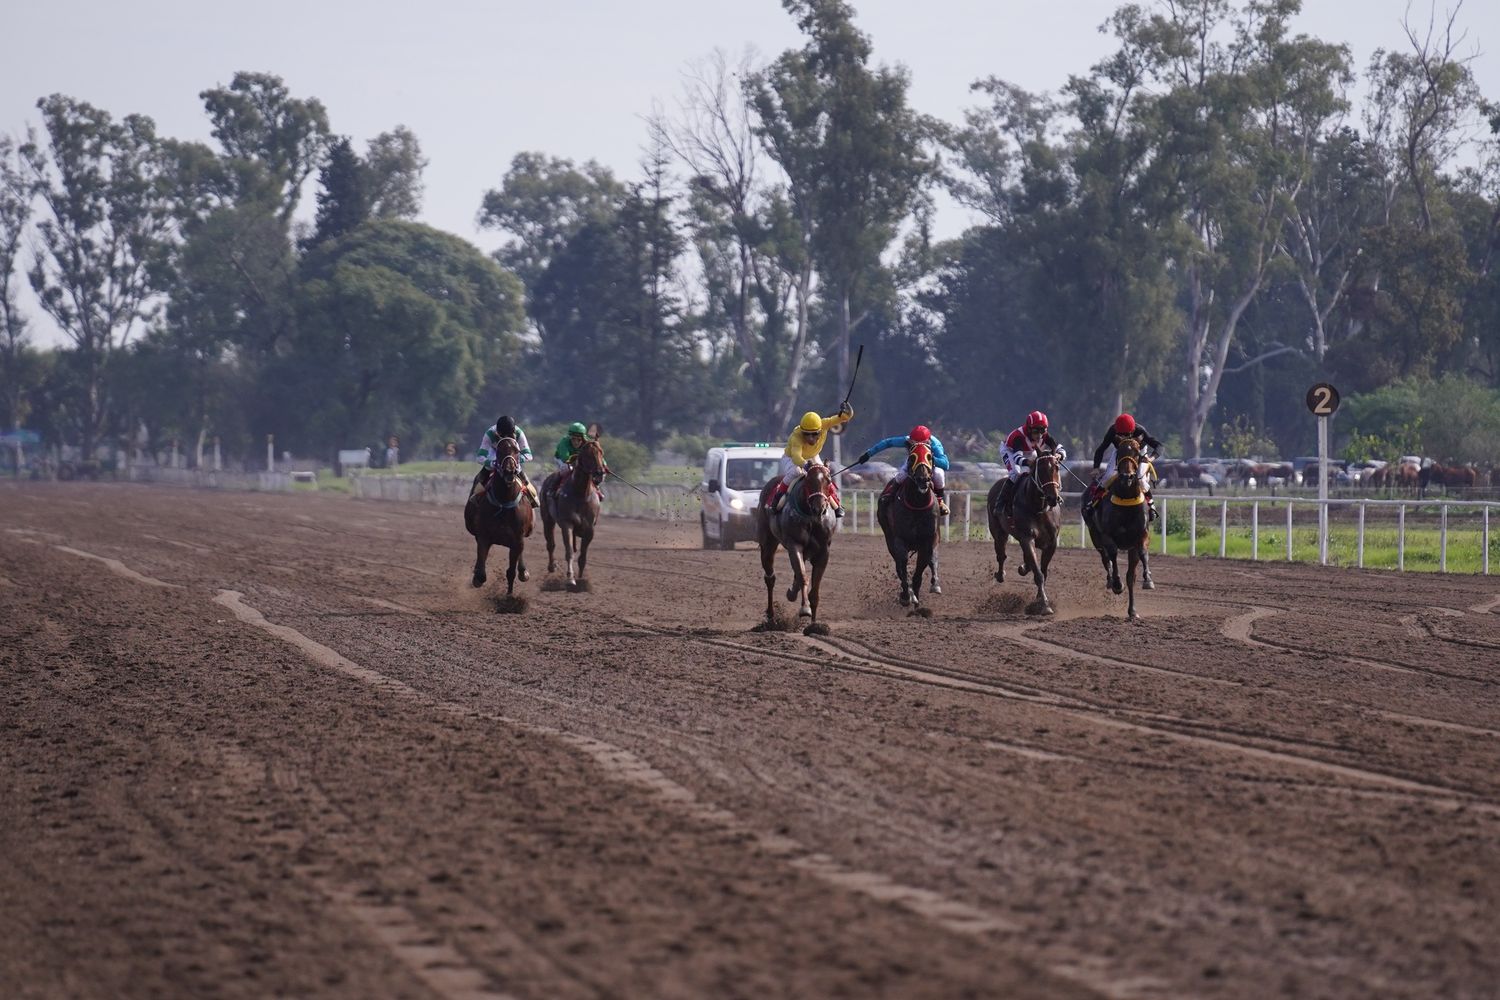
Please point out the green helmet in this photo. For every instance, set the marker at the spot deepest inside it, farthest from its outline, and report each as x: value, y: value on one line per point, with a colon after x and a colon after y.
x: 577, y: 428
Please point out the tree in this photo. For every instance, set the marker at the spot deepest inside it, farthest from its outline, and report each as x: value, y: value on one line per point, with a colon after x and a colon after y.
x: 15, y: 214
x: 397, y: 325
x: 394, y: 165
x: 271, y: 141
x: 853, y: 151
x: 344, y: 203
x: 106, y: 193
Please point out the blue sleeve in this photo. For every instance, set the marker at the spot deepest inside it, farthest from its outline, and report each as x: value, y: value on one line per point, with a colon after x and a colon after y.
x: 939, y: 456
x: 891, y: 442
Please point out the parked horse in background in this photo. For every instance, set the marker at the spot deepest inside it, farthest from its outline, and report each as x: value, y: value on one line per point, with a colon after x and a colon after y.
x: 499, y: 513
x: 1035, y: 523
x: 1448, y: 477
x: 804, y: 525
x: 907, y: 513
x: 1120, y: 520
x: 572, y: 503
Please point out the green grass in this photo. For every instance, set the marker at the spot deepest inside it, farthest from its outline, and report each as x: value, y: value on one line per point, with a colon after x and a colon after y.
x: 434, y: 468
x: 1465, y: 546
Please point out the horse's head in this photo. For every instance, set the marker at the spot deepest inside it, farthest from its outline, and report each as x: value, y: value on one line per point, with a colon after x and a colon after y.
x: 919, y: 466
x: 815, y: 489
x: 507, y: 446
x: 589, y: 461
x: 1047, y: 474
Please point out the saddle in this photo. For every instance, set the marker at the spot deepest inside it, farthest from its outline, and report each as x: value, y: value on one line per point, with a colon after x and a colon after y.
x: 564, y: 477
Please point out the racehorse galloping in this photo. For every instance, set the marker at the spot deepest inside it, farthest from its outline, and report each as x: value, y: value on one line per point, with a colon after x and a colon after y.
x: 1120, y: 520
x: 573, y: 505
x: 804, y: 526
x: 500, y: 514
x: 908, y: 516
x: 1035, y: 524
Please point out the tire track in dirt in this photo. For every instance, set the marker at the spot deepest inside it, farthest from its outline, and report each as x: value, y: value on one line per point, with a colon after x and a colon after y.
x: 1281, y: 751
x: 624, y: 766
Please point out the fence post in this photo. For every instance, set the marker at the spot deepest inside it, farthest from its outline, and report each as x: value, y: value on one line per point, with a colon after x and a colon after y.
x: 1193, y: 526
x: 1289, y: 530
x: 1255, y: 531
x: 854, y: 511
x: 1486, y: 541
x: 1223, y: 528
x: 968, y: 512
x: 1163, y: 525
x: 1083, y: 529
x: 1443, y: 538
x: 1401, y: 537
x: 1360, y: 558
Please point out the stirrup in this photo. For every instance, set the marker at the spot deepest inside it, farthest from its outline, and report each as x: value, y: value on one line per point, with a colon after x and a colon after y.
x: 943, y: 510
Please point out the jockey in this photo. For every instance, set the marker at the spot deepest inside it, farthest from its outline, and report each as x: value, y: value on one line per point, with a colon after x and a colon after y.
x: 1122, y: 429
x: 802, y: 447
x: 505, y: 427
x: 918, y: 435
x: 567, y: 450
x: 1020, y: 449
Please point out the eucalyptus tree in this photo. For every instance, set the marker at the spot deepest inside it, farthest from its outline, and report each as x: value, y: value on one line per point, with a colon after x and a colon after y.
x: 16, y: 204
x: 270, y: 141
x: 393, y: 166
x: 853, y: 151
x: 1241, y: 106
x: 756, y: 269
x: 105, y: 189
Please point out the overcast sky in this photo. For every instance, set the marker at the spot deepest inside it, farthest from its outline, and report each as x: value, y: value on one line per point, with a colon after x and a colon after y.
x: 480, y: 80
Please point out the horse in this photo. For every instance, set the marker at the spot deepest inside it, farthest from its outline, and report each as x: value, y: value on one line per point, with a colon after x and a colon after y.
x: 1120, y: 520
x: 908, y: 516
x: 500, y: 514
x: 573, y: 505
x: 1035, y: 524
x: 1458, y: 476
x: 804, y: 526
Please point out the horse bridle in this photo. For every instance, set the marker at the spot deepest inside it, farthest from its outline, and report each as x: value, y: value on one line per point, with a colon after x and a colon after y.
x: 1040, y: 487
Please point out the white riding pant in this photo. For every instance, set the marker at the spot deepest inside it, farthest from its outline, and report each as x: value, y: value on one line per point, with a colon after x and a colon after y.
x: 790, y: 470
x: 939, y: 477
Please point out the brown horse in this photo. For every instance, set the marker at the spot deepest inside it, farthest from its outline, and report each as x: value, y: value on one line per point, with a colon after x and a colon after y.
x: 500, y: 514
x: 1446, y: 476
x: 908, y: 516
x: 804, y: 526
x: 572, y: 503
x: 1120, y: 521
x: 1035, y: 523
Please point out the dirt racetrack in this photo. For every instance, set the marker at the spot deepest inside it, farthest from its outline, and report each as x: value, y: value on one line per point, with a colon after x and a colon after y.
x: 256, y: 745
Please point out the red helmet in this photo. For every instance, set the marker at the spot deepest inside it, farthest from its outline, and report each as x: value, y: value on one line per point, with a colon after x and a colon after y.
x: 1036, y: 419
x: 919, y: 434
x: 1124, y: 424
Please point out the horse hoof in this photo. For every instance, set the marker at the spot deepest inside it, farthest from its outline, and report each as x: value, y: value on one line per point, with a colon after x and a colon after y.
x: 999, y: 576
x: 1117, y: 587
x: 478, y: 581
x: 1134, y: 616
x: 1148, y: 584
x: 523, y: 576
x: 803, y: 613
x: 905, y: 599
x: 791, y: 594
x: 935, y: 589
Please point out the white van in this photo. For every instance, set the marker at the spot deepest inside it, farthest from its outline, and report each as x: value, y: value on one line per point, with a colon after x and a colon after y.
x: 733, y: 474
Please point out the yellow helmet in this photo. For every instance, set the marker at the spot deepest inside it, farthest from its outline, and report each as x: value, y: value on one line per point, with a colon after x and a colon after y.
x: 810, y: 423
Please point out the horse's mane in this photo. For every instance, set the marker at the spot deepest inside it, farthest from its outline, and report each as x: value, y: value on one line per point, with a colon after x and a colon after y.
x: 594, y: 454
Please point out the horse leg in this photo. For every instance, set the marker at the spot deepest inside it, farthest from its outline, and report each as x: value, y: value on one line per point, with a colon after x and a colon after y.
x: 1146, y: 582
x: 924, y: 564
x: 479, y: 558
x: 510, y: 571
x: 1001, y: 539
x: 585, y: 536
x: 899, y: 553
x: 547, y: 524
x: 799, y: 580
x: 567, y: 540
x: 1039, y: 605
x: 936, y: 588
x: 818, y: 566
x: 1134, y: 556
x: 768, y: 571
x: 1114, y: 568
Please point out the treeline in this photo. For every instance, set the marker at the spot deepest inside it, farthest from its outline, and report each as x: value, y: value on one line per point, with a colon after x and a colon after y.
x: 1195, y: 229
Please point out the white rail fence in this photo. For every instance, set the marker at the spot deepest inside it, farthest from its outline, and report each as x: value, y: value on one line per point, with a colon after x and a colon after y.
x: 265, y: 482
x: 1434, y: 534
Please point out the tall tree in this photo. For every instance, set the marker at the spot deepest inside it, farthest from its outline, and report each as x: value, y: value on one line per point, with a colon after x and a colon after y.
x: 106, y: 193
x: 15, y: 215
x: 542, y: 202
x: 344, y: 193
x: 271, y: 141
x: 394, y: 165
x: 851, y: 147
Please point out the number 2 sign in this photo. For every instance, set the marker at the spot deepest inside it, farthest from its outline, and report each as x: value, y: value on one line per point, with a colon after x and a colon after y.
x: 1322, y: 399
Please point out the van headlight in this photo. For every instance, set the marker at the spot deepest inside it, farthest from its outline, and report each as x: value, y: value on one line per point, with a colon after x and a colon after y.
x: 735, y: 503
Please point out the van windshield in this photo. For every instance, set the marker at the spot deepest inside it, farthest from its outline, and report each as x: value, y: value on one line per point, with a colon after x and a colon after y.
x: 749, y: 473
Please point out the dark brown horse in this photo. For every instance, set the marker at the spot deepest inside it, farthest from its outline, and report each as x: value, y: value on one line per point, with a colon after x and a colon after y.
x: 804, y: 526
x: 1464, y: 477
x: 1035, y: 523
x: 908, y: 515
x: 572, y: 503
x: 1120, y: 520
x: 500, y: 514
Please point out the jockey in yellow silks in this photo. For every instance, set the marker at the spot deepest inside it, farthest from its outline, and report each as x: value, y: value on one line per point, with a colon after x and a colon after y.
x: 803, y: 446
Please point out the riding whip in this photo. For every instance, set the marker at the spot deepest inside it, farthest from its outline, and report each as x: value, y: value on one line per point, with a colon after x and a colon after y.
x: 857, y: 359
x: 628, y: 483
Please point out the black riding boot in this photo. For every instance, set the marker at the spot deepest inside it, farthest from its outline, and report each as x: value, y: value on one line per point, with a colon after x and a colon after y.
x: 1007, y: 493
